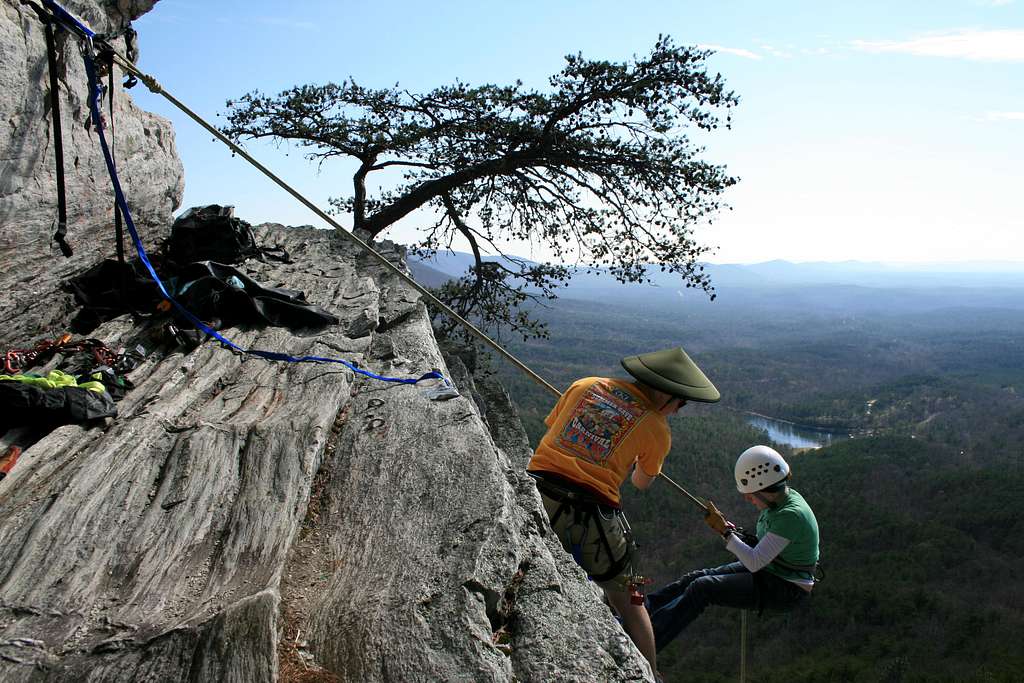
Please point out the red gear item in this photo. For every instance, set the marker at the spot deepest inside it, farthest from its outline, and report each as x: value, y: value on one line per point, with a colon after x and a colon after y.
x: 8, y: 459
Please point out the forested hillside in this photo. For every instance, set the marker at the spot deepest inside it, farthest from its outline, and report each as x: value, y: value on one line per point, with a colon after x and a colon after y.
x: 920, y: 534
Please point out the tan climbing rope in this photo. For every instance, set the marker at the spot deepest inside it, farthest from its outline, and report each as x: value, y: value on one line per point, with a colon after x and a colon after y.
x: 155, y: 87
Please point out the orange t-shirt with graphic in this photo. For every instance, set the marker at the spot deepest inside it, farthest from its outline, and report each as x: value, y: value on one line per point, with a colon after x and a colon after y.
x: 597, y: 430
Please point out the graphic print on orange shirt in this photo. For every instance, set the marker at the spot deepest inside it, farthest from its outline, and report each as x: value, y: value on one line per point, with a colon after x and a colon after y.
x: 600, y: 421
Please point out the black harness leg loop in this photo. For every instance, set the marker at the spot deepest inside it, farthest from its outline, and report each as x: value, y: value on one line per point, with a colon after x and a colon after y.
x: 558, y: 513
x: 118, y: 229
x: 58, y: 141
x: 108, y: 57
x: 616, y: 565
x: 585, y: 511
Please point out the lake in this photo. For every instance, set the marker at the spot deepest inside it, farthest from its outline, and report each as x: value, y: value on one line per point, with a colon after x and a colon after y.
x: 793, y: 435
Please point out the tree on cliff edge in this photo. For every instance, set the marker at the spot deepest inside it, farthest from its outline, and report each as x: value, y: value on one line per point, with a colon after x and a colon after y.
x: 598, y: 169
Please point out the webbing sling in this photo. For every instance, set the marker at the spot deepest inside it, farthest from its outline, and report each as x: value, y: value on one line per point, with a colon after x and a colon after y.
x: 67, y: 21
x: 108, y: 57
x: 108, y: 60
x: 58, y: 141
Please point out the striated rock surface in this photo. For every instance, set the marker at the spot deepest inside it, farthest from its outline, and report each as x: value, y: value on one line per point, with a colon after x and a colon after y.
x: 242, y: 518
x: 148, y: 165
x: 245, y: 520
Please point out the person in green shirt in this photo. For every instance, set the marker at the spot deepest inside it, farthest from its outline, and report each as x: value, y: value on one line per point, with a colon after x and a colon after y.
x: 773, y: 571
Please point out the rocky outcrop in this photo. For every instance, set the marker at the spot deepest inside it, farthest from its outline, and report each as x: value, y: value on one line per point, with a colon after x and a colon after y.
x: 242, y: 517
x: 144, y: 146
x: 247, y: 520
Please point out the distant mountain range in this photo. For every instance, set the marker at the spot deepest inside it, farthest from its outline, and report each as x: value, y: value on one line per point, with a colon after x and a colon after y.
x: 847, y: 284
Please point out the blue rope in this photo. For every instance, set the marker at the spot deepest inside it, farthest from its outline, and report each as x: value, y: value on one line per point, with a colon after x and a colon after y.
x: 95, y: 96
x: 69, y: 21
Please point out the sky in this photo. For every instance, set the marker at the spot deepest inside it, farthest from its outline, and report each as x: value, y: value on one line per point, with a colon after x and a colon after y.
x: 875, y: 131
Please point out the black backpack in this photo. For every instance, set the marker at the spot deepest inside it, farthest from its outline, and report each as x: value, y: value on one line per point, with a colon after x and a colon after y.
x: 211, y: 233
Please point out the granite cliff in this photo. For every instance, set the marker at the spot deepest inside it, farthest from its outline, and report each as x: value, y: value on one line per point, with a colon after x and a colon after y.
x: 249, y: 520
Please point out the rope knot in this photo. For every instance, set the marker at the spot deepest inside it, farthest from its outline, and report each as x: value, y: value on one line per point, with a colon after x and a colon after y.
x: 151, y: 83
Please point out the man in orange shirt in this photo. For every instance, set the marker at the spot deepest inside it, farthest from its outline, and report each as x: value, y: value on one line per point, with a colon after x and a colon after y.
x: 600, y: 430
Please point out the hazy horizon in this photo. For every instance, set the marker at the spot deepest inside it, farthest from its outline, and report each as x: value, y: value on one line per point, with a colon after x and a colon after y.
x: 864, y: 131
x: 966, y: 265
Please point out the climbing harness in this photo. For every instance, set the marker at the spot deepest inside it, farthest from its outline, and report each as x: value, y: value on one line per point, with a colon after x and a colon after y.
x: 588, y: 512
x: 816, y: 571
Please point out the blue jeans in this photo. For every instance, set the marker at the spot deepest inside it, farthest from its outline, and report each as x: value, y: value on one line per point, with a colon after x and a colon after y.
x: 731, y: 585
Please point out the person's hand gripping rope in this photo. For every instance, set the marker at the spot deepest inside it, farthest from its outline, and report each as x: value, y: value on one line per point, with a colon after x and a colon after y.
x: 714, y: 518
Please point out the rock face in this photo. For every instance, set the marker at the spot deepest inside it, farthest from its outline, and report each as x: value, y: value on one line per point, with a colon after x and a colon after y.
x: 148, y: 165
x: 241, y: 517
x: 246, y: 520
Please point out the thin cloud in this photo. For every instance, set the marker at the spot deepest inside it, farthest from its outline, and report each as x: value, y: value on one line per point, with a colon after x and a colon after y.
x: 776, y: 52
x: 975, y: 45
x: 1005, y: 116
x: 739, y: 52
x: 993, y: 3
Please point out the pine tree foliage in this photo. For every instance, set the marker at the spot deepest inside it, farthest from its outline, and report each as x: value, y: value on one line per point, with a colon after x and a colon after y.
x: 598, y: 168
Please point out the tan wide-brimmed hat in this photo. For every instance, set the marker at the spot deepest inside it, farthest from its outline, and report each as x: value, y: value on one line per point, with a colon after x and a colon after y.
x: 672, y: 372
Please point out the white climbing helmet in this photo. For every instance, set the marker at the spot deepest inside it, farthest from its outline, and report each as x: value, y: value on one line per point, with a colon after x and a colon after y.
x: 759, y: 467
